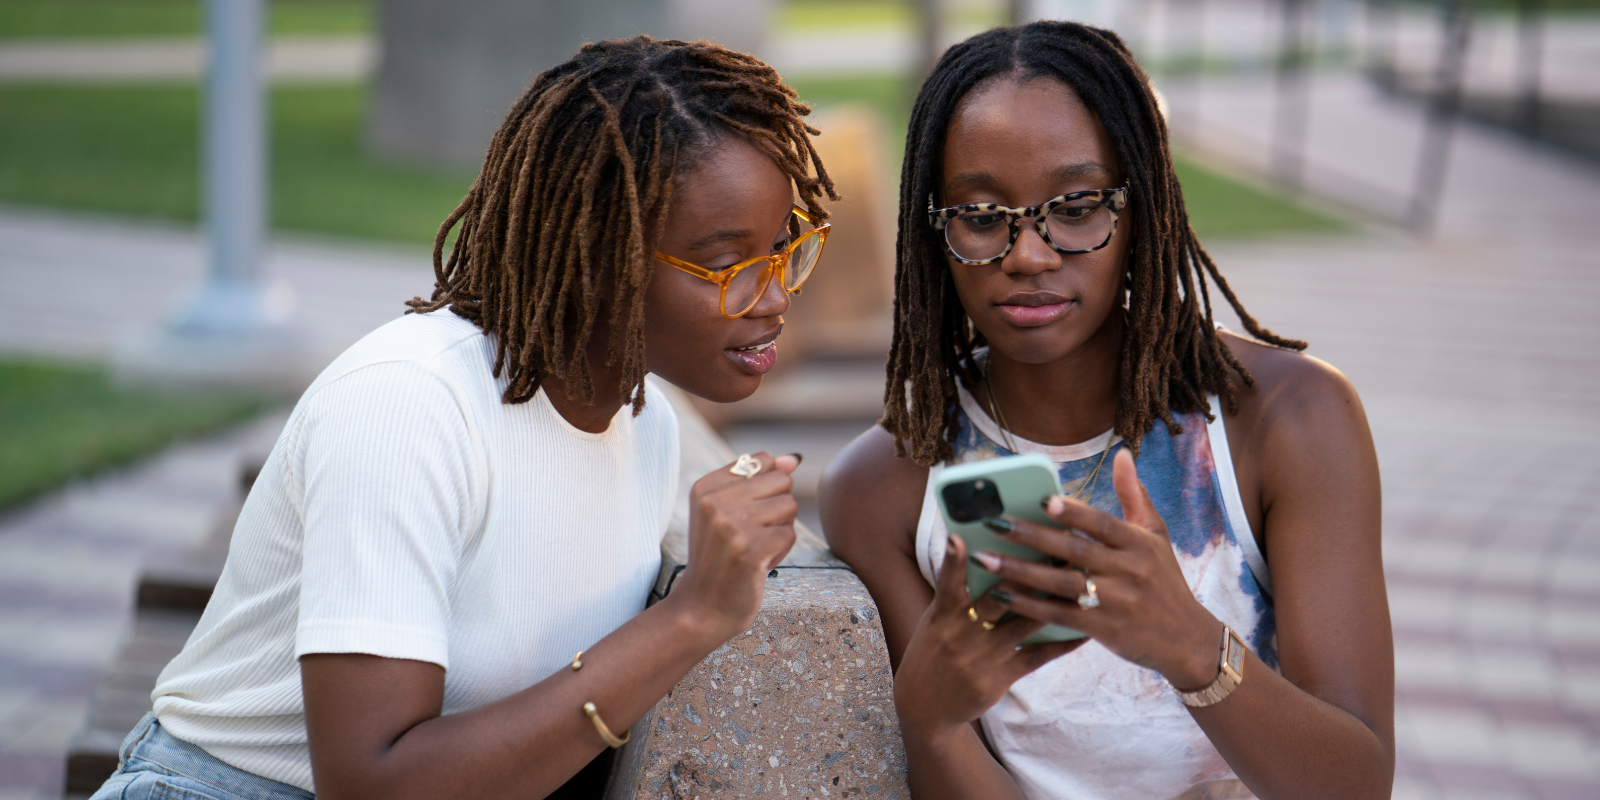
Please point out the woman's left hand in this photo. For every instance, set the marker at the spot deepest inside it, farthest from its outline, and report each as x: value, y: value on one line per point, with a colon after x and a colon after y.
x: 1147, y: 614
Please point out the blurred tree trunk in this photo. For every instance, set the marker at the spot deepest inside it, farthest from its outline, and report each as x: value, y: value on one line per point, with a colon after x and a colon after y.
x: 928, y: 19
x: 450, y: 71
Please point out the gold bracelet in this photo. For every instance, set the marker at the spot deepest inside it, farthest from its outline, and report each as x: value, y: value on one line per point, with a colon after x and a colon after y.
x: 605, y: 732
x: 577, y: 661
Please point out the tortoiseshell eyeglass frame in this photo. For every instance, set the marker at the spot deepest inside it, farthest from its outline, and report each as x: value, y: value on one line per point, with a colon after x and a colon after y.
x: 1113, y: 199
x: 779, y: 262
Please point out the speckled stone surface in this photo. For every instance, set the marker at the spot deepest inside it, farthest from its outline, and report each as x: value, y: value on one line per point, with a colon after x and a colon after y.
x: 801, y: 706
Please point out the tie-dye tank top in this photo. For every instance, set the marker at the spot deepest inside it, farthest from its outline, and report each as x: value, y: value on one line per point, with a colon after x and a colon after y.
x: 1091, y: 725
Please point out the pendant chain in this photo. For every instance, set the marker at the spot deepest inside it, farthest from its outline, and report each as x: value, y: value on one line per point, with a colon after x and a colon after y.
x: 1005, y: 432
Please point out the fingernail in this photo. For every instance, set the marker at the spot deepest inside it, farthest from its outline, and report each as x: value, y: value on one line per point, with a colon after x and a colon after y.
x: 1000, y: 596
x: 1055, y: 504
x: 1001, y: 526
x: 798, y: 457
x: 988, y: 561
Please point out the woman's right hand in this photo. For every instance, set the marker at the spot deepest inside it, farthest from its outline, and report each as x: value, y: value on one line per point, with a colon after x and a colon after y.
x: 954, y: 669
x: 739, y: 529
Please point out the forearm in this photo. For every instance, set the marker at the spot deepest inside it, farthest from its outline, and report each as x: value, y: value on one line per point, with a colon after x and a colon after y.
x: 528, y: 744
x: 955, y: 764
x: 1286, y: 743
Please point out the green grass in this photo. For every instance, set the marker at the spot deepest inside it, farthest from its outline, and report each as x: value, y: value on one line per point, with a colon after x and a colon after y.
x: 117, y: 150
x: 73, y: 19
x: 1222, y: 208
x: 324, y: 182
x: 59, y: 421
x: 846, y: 14
x: 880, y: 14
x: 134, y: 150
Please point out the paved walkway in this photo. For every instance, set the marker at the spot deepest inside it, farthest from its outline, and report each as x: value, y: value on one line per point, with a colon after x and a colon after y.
x: 1476, y: 353
x: 1479, y: 372
x: 69, y: 565
x: 74, y: 285
x: 288, y: 59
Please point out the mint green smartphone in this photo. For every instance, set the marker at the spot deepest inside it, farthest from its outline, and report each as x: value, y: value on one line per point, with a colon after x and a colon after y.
x: 1014, y: 486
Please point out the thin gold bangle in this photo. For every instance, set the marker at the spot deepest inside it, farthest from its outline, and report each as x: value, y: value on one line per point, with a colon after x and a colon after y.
x: 577, y: 661
x: 605, y: 732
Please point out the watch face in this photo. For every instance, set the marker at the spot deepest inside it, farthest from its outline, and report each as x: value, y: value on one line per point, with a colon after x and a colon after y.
x: 1235, y: 655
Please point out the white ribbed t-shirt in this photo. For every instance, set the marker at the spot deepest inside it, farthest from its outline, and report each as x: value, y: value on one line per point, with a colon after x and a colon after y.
x: 406, y: 512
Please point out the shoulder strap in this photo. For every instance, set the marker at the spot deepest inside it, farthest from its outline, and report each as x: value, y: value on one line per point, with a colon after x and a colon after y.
x: 931, y: 534
x: 1232, y: 501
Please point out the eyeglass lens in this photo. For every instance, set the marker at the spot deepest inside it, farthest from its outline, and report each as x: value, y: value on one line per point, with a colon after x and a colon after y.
x: 747, y: 287
x: 750, y: 283
x: 1079, y: 224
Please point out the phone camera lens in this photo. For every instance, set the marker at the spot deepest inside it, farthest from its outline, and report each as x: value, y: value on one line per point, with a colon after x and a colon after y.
x: 971, y: 501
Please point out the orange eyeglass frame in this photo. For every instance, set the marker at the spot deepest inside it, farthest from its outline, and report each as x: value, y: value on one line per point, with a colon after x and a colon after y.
x: 779, y: 264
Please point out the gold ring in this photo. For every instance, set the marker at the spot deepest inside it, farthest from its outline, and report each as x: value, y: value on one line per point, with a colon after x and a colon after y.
x: 972, y: 614
x: 746, y: 467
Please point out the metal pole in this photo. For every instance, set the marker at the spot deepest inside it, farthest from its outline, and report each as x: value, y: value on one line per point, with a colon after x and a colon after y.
x: 1292, y: 104
x: 1530, y: 58
x: 1383, y: 41
x: 1188, y: 117
x: 1016, y: 12
x: 233, y: 170
x: 233, y: 144
x: 1443, y: 108
x: 228, y: 332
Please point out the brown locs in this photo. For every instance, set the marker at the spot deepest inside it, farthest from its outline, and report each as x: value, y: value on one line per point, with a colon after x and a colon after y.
x: 1172, y: 356
x: 556, y: 236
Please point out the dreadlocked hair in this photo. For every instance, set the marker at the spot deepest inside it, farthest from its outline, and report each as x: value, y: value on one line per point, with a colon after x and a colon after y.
x: 1172, y: 356
x: 560, y: 227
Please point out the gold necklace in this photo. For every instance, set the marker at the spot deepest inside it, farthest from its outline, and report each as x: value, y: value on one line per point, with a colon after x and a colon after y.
x: 1005, y: 433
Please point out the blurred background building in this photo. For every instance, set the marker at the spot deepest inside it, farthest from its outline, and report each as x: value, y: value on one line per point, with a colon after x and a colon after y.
x: 1412, y: 185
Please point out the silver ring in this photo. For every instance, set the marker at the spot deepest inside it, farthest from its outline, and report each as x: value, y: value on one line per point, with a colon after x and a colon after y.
x: 746, y: 467
x: 1090, y: 597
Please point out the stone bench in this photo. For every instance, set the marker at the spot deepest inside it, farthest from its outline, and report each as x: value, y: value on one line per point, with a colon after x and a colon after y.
x: 802, y: 703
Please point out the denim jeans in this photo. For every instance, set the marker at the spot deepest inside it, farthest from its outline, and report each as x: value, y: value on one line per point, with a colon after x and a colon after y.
x: 155, y: 765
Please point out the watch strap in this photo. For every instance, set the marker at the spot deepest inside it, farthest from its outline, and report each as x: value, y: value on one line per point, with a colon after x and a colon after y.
x: 1230, y: 673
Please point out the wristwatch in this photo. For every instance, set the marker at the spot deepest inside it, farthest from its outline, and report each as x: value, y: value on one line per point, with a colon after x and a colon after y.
x: 1230, y: 673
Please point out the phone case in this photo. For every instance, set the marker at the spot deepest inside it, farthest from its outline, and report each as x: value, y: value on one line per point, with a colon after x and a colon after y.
x: 1014, y: 486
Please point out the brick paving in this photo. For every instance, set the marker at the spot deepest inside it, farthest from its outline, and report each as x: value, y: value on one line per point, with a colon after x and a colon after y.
x: 1477, y: 353
x: 68, y: 567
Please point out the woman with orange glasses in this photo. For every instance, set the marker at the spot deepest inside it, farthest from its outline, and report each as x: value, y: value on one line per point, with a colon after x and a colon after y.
x: 477, y: 491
